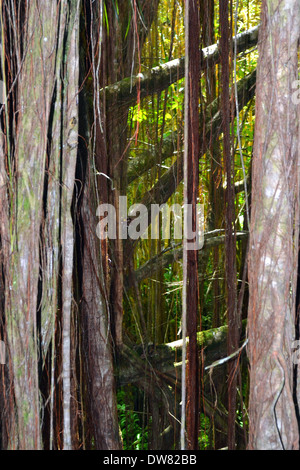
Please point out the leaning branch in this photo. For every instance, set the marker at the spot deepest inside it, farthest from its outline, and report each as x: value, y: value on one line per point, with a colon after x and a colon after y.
x: 137, y: 361
x: 169, y: 181
x: 147, y: 158
x: 159, y: 78
x: 167, y: 184
x: 170, y: 255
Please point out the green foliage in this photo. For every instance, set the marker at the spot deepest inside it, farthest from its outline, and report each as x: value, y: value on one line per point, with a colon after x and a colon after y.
x: 138, y: 114
x: 204, y: 440
x: 134, y: 434
x: 158, y: 117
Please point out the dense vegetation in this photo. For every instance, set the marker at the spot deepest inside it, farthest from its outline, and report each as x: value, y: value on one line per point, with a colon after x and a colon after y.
x: 160, y: 117
x: 135, y: 343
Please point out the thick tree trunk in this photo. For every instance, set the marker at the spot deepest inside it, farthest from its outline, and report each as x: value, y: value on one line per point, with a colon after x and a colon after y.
x: 274, y: 232
x: 96, y: 332
x: 22, y: 191
x: 37, y: 172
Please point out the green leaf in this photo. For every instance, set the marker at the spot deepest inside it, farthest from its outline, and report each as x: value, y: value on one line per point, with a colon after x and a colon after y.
x: 106, y: 18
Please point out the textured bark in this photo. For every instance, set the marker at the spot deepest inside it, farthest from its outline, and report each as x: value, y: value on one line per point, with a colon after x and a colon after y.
x: 25, y: 157
x: 97, y: 339
x: 70, y: 141
x: 92, y: 256
x: 37, y: 170
x: 190, y: 297
x: 274, y: 232
x: 230, y: 242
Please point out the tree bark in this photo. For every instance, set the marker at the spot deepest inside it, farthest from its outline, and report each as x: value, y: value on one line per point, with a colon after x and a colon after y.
x: 70, y: 141
x: 96, y: 335
x: 23, y: 161
x: 230, y: 237
x: 190, y: 298
x: 274, y: 232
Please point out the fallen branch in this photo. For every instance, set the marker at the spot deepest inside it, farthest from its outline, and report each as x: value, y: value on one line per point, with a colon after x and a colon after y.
x: 165, y: 187
x: 170, y: 255
x: 139, y: 362
x: 159, y: 78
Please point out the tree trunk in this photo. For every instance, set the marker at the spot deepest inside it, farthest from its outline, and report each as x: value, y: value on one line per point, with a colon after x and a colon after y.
x: 38, y: 157
x: 274, y: 232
